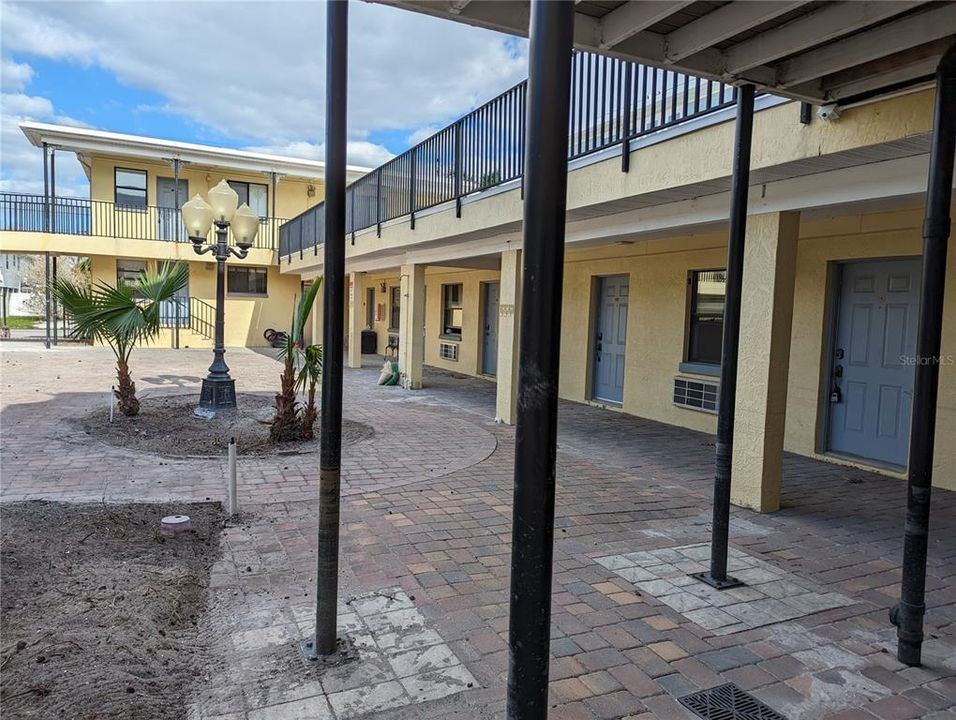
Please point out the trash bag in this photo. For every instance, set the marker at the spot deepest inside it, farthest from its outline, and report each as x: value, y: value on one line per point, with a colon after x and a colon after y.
x: 396, y: 375
x: 390, y: 374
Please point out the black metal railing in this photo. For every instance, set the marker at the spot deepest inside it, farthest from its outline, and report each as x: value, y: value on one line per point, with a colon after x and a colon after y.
x: 202, y: 317
x: 612, y: 103
x: 79, y: 216
x: 188, y: 312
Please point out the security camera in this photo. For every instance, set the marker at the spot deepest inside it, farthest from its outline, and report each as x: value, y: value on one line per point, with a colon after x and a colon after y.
x: 828, y: 112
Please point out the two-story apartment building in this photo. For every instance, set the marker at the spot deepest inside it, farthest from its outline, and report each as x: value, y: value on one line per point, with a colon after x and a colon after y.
x: 434, y: 253
x: 831, y: 275
x: 131, y: 221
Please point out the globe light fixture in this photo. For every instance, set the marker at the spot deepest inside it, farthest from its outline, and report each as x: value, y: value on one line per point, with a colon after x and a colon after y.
x: 222, y: 210
x: 224, y: 201
x: 245, y: 226
x: 197, y: 217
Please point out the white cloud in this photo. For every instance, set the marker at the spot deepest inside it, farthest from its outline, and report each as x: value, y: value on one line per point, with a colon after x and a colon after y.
x: 359, y: 152
x: 20, y: 104
x: 22, y: 163
x: 14, y: 76
x: 260, y: 78
x: 422, y: 134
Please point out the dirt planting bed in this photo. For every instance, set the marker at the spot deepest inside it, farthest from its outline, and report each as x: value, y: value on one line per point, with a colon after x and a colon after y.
x: 100, y: 610
x: 167, y: 426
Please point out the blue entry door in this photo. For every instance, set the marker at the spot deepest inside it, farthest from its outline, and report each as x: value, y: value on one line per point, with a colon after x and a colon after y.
x: 489, y: 348
x: 610, y: 338
x: 871, y: 393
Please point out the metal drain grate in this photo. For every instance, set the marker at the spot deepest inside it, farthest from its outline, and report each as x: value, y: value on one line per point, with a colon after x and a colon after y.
x: 728, y: 702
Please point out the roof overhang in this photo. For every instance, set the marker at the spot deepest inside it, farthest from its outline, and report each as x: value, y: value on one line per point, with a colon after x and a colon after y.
x: 814, y: 51
x: 85, y: 141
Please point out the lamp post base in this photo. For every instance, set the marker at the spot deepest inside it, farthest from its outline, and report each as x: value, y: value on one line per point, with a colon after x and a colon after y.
x: 218, y: 395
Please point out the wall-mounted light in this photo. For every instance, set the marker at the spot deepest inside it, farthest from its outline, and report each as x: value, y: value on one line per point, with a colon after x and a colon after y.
x: 383, y: 288
x: 310, y: 191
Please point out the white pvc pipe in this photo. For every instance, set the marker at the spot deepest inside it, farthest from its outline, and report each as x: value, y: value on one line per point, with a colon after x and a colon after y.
x: 232, y: 499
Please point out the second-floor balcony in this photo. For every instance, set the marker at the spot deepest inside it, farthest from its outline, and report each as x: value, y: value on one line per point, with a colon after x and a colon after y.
x: 97, y: 218
x: 613, y: 103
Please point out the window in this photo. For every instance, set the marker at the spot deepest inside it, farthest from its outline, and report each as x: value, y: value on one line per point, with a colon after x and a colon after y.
x: 254, y: 195
x: 451, y: 311
x: 247, y: 280
x: 128, y: 272
x: 130, y: 188
x: 708, y: 291
x: 395, y: 307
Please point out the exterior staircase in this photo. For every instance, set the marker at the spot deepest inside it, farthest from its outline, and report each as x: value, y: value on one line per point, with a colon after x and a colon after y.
x: 187, y: 322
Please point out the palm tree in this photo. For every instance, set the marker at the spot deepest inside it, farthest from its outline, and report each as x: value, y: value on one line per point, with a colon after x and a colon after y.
x: 310, y: 374
x: 301, y: 366
x: 122, y: 317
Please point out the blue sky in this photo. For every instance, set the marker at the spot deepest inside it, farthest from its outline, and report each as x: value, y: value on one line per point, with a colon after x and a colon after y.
x: 93, y: 96
x: 155, y: 69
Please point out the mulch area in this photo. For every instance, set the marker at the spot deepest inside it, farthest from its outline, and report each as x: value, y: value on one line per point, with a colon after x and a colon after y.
x: 166, y: 426
x: 100, y: 610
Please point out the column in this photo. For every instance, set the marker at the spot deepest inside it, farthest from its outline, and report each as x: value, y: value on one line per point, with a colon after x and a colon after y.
x: 356, y: 318
x: 317, y: 313
x: 536, y: 422
x: 330, y: 456
x: 509, y: 308
x: 411, y: 331
x: 766, y: 317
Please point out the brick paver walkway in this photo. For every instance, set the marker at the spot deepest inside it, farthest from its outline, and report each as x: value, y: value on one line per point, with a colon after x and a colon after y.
x: 426, y: 522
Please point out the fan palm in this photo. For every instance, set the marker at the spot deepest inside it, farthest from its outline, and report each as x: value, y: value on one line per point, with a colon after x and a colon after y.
x: 301, y: 366
x: 122, y: 317
x: 309, y: 375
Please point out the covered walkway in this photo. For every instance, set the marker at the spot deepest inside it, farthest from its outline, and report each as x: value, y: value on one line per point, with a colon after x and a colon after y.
x: 427, y: 518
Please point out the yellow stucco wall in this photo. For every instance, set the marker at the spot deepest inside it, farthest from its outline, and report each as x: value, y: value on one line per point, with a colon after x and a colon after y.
x: 380, y: 326
x: 880, y: 235
x: 656, y: 322
x: 701, y: 156
x: 247, y: 317
x: 292, y: 194
x: 469, y: 348
x: 27, y: 243
x: 658, y: 313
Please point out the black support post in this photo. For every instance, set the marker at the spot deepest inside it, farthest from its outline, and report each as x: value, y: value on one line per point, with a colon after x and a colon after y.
x: 458, y: 159
x: 411, y: 187
x: 908, y: 614
x: 56, y: 308
x: 46, y: 228
x: 545, y: 199
x: 740, y: 184
x: 336, y: 93
x: 628, y: 107
x: 53, y: 189
x: 274, y: 177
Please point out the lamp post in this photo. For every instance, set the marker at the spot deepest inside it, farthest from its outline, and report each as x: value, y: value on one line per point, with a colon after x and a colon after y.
x: 218, y: 387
